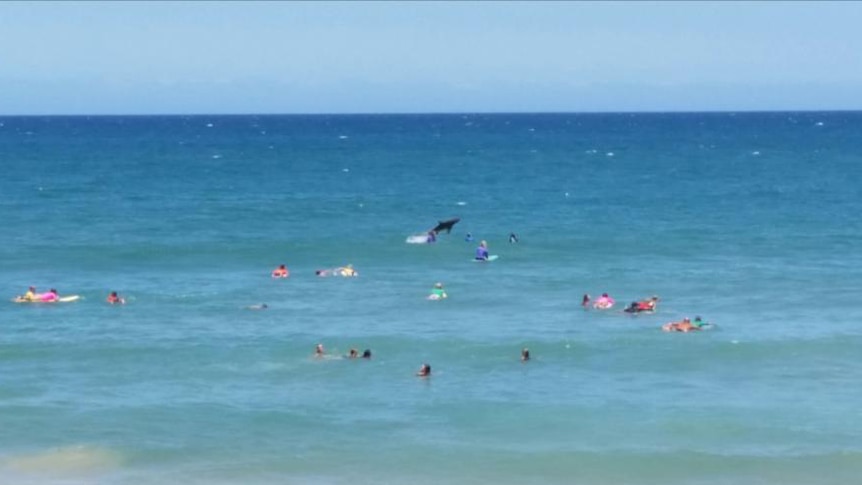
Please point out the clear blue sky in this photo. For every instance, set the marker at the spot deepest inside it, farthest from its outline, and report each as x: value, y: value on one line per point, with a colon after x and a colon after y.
x: 331, y: 57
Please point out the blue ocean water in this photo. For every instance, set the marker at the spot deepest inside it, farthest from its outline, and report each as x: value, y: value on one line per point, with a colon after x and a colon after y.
x: 750, y: 220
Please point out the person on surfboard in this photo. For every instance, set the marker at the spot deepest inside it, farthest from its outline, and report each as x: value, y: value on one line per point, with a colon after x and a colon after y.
x: 482, y: 251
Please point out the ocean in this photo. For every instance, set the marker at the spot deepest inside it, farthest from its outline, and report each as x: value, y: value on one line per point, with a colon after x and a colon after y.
x: 750, y: 220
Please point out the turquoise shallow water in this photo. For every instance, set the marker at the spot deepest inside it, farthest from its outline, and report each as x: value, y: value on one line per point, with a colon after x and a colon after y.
x: 750, y: 220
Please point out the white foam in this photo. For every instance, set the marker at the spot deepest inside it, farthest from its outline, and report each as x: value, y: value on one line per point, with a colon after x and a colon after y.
x: 609, y: 154
x: 68, y: 460
x: 345, y: 169
x: 819, y: 123
x: 209, y: 125
x: 461, y: 202
x: 755, y: 153
x: 342, y: 137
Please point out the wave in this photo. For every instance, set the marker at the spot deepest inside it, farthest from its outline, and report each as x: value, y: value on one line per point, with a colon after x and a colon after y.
x: 75, y: 460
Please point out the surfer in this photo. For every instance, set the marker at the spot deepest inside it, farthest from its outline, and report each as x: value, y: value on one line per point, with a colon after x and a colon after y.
x: 432, y: 237
x: 115, y: 299
x: 29, y: 296
x: 437, y: 293
x: 648, y: 305
x: 347, y: 271
x: 50, y: 296
x: 604, y: 302
x: 318, y: 351
x: 482, y: 251
x: 525, y: 354
x: 280, y: 272
x: 513, y: 238
x: 684, y: 326
x: 699, y: 323
x: 424, y: 371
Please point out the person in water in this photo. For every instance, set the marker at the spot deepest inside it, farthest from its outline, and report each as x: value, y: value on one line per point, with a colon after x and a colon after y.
x: 318, y: 351
x: 50, y: 296
x: 115, y: 299
x: 699, y: 323
x: 438, y: 293
x: 604, y: 302
x: 280, y: 272
x: 347, y: 271
x: 353, y: 354
x: 261, y: 306
x: 432, y: 237
x: 468, y: 237
x: 585, y: 301
x: 29, y: 296
x: 525, y: 354
x: 684, y: 326
x: 648, y: 305
x: 513, y: 238
x: 424, y: 371
x: 366, y: 354
x: 482, y: 251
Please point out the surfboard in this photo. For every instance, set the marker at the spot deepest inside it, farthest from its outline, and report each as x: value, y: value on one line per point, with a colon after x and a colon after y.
x: 65, y: 299
x: 492, y: 257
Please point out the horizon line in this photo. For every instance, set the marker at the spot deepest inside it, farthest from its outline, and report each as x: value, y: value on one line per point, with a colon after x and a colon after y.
x: 442, y: 113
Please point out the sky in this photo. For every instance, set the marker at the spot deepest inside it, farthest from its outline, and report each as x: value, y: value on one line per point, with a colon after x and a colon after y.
x: 418, y: 57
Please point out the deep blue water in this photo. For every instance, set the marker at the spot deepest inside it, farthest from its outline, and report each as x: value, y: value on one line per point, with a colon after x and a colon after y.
x: 750, y: 220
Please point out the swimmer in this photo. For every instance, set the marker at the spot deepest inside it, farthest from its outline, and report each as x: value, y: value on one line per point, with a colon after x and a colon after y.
x: 525, y: 354
x: 318, y: 351
x: 424, y: 371
x: 482, y: 251
x: 437, y: 293
x: 323, y: 273
x: 468, y: 237
x: 261, y: 306
x: 280, y: 272
x: 114, y: 299
x: 432, y: 237
x: 513, y: 238
x: 366, y: 354
x: 604, y: 302
x: 585, y: 301
x: 353, y: 354
x: 50, y: 296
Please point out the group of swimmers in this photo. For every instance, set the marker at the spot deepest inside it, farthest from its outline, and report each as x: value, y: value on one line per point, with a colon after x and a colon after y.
x: 648, y: 305
x: 51, y: 296
x: 424, y: 369
x: 606, y: 302
x: 347, y: 271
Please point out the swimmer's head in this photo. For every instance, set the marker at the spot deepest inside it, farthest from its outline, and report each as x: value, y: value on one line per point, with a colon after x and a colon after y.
x: 438, y: 285
x: 604, y: 295
x: 366, y: 354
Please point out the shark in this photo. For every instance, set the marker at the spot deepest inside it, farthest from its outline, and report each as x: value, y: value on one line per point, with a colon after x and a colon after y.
x: 445, y: 225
